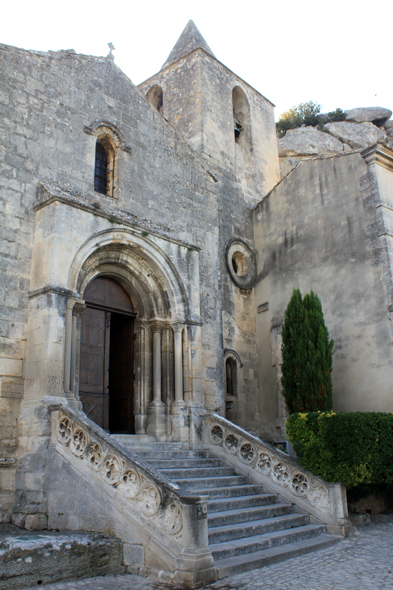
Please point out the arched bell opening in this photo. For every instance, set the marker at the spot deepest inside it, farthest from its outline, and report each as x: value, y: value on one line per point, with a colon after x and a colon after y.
x: 155, y: 96
x: 241, y: 118
x: 106, y: 355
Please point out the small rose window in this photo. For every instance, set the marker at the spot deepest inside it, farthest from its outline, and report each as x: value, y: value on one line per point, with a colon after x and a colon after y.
x: 241, y: 264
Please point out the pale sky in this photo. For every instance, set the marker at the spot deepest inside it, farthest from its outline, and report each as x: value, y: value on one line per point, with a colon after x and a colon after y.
x: 337, y: 53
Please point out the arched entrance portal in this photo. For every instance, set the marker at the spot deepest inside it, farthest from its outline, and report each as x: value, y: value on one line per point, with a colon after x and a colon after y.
x: 106, y: 356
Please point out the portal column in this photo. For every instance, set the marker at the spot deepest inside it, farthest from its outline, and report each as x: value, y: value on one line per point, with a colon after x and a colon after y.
x: 156, y: 409
x: 179, y: 407
x: 142, y: 375
x: 67, y: 346
x: 157, y: 329
x: 77, y: 312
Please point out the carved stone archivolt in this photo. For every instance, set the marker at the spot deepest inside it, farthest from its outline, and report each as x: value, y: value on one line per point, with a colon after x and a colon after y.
x: 129, y: 481
x: 270, y: 463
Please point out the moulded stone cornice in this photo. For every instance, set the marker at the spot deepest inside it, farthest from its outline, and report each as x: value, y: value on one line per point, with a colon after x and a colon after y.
x: 48, y: 193
x: 57, y: 289
x: 9, y: 462
x: 380, y: 155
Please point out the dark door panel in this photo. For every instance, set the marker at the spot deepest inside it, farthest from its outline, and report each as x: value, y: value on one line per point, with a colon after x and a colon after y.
x: 106, y: 357
x: 120, y: 374
x: 93, y: 384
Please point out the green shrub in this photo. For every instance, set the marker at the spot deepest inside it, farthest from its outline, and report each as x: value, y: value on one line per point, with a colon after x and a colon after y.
x: 337, y: 115
x: 355, y: 448
x: 309, y: 114
x: 306, y: 113
x: 307, y: 356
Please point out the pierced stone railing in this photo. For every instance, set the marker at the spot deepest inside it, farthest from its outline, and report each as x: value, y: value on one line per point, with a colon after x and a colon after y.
x: 279, y: 472
x: 175, y: 523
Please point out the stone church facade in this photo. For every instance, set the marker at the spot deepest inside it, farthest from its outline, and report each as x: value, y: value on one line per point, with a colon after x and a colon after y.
x: 149, y: 249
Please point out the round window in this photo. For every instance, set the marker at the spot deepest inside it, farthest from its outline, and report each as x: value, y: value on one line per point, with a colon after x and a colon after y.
x: 241, y: 264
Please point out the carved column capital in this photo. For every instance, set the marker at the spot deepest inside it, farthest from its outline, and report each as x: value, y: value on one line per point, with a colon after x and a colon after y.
x: 178, y: 327
x: 79, y: 307
x: 141, y: 323
x: 156, y: 326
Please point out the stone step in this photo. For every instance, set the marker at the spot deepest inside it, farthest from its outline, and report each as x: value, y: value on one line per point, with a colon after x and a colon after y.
x: 184, y: 463
x: 134, y: 439
x: 126, y: 439
x: 229, y: 532
x: 248, y: 527
x: 246, y: 562
x: 229, y: 492
x: 256, y: 543
x: 179, y: 455
x: 214, y: 482
x: 30, y: 558
x: 196, y: 473
x: 248, y: 514
x: 237, y: 502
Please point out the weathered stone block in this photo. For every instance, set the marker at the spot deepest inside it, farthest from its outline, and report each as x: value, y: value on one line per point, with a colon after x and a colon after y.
x: 36, y: 522
x: 133, y: 555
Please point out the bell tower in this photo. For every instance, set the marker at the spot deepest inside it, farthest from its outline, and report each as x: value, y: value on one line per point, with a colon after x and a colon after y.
x: 222, y: 117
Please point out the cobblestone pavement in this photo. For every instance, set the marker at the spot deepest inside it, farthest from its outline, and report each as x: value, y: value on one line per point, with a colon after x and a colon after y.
x: 363, y: 561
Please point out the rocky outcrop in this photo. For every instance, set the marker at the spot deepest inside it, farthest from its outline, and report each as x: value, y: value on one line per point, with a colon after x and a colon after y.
x: 376, y: 115
x: 388, y: 126
x: 363, y: 128
x: 357, y: 135
x: 308, y: 141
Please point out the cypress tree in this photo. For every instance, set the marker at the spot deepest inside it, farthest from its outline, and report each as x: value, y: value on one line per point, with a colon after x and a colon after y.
x: 307, y: 356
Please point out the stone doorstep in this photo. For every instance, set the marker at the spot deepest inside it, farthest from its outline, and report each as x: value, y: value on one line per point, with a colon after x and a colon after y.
x: 31, y: 558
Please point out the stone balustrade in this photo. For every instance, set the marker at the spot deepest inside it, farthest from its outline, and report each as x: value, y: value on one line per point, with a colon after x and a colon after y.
x: 324, y: 501
x: 166, y: 523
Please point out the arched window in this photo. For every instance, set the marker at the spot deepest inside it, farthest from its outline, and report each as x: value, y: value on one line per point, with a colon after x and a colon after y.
x: 155, y: 97
x: 241, y: 118
x: 104, y: 167
x: 231, y: 376
x: 109, y: 146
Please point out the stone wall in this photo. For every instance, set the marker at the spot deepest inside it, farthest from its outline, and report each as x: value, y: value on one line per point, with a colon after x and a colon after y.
x: 318, y: 229
x: 48, y: 102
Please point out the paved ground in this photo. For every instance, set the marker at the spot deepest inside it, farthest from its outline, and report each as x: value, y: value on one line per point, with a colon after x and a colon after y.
x: 363, y: 561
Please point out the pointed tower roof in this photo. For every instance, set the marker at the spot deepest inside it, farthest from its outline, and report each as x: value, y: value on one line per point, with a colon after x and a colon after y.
x: 189, y: 40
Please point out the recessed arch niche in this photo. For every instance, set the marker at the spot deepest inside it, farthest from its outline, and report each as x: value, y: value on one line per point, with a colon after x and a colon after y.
x: 241, y: 118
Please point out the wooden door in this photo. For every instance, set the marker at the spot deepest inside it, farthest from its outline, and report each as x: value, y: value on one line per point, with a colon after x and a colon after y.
x: 106, y: 366
x: 94, y: 371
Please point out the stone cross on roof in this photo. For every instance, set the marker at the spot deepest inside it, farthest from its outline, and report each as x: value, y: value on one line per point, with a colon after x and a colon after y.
x: 111, y: 48
x: 189, y: 40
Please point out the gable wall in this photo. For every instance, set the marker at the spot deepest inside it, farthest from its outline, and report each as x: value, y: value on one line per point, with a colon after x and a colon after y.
x: 47, y: 100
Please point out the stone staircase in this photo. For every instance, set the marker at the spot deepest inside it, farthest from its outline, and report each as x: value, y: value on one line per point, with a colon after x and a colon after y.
x: 248, y: 526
